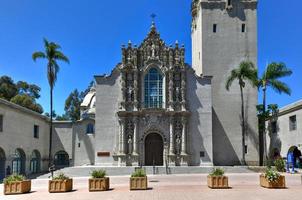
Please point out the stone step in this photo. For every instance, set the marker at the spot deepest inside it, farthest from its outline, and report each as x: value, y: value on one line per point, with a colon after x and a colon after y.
x: 84, y: 171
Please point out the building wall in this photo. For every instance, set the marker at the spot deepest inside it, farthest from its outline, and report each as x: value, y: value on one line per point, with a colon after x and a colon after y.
x: 84, y: 144
x: 221, y: 52
x: 18, y: 132
x: 199, y: 97
x: 63, y: 139
x: 285, y: 138
x: 108, y: 94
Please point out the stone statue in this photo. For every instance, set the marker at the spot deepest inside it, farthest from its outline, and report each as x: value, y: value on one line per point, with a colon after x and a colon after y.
x: 130, y: 144
x: 177, y: 92
x: 153, y: 50
x: 130, y: 91
x: 178, y: 144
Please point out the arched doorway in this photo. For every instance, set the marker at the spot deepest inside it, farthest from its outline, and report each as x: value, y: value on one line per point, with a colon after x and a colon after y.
x: 2, y: 164
x: 35, y: 162
x: 19, y: 161
x: 61, y: 159
x: 154, y: 148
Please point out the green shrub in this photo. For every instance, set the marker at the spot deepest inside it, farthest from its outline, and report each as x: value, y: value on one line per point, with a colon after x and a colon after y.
x: 98, y: 173
x: 139, y: 173
x: 271, y: 175
x: 217, y: 172
x: 280, y: 165
x: 60, y: 176
x: 14, y: 178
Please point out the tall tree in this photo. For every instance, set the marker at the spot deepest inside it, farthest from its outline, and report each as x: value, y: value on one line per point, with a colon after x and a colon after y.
x: 27, y: 101
x: 270, y: 78
x: 73, y: 105
x: 246, y: 71
x: 8, y: 88
x: 52, y: 54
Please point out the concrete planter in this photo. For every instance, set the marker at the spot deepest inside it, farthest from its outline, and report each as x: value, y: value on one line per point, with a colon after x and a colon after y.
x: 17, y: 187
x: 218, y: 182
x: 280, y: 183
x: 55, y: 186
x: 138, y: 183
x: 99, y: 184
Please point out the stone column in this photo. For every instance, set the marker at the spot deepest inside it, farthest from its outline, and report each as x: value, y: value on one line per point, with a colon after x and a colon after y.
x: 123, y: 90
x: 122, y: 136
x: 135, y: 136
x: 135, y: 84
x: 184, y: 137
x: 183, y: 90
x: 170, y: 90
x: 171, y: 136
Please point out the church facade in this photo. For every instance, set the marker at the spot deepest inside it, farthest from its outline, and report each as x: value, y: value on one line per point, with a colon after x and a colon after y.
x: 154, y: 108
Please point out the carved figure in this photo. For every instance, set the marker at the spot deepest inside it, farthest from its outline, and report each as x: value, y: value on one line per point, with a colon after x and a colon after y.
x: 130, y: 144
x: 178, y: 144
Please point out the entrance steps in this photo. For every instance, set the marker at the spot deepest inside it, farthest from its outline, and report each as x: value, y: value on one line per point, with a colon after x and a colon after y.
x: 84, y: 171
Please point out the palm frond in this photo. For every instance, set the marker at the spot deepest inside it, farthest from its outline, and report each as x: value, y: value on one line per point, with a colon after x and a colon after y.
x: 37, y: 55
x: 231, y: 78
x: 60, y: 56
x: 277, y: 70
x: 280, y: 87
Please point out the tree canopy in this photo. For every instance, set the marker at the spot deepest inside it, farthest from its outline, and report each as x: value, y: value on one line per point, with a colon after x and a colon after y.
x: 21, y: 93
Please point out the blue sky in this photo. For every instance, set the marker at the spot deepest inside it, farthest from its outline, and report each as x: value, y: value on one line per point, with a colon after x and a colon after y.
x: 91, y: 34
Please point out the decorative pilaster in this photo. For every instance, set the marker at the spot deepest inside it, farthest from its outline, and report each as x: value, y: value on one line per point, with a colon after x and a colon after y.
x: 171, y: 136
x: 122, y: 136
x: 135, y: 92
x: 184, y: 136
x: 135, y: 136
x: 170, y: 90
x: 183, y: 89
x: 124, y: 90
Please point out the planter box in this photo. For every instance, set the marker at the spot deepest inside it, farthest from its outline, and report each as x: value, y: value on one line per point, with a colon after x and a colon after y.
x: 18, y: 187
x: 99, y: 184
x: 218, y: 182
x: 280, y: 183
x: 59, y: 185
x: 138, y: 183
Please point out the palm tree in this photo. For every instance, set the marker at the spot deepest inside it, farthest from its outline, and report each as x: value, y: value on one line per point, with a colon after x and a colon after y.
x: 269, y: 78
x: 246, y: 71
x: 52, y: 54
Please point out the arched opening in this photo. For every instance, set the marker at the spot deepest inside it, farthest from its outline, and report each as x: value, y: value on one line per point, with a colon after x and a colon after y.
x: 2, y: 164
x: 154, y: 148
x: 61, y: 159
x: 35, y: 162
x: 153, y: 91
x: 296, y: 155
x: 90, y: 128
x: 19, y: 161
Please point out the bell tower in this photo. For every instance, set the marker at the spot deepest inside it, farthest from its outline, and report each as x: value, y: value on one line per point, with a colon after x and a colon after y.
x: 224, y: 33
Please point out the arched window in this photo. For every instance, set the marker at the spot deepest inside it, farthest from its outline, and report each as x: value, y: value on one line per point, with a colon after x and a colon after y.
x: 153, y: 89
x: 18, y: 163
x: 35, y: 162
x: 61, y: 159
x: 2, y: 164
x: 89, y: 129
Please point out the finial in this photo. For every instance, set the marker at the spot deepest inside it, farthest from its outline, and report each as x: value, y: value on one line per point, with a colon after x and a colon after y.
x: 129, y: 43
x: 153, y: 18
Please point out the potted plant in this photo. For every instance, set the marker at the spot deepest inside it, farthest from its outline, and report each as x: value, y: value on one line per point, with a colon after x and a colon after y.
x: 217, y: 180
x: 60, y: 183
x: 272, y: 179
x: 99, y: 181
x: 138, y: 180
x: 16, y: 184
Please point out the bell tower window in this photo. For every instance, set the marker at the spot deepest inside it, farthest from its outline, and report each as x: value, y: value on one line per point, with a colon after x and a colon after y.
x: 153, y: 89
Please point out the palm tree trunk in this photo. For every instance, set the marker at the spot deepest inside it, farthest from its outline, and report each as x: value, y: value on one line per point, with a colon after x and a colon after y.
x: 50, y: 127
x: 264, y: 125
x: 242, y: 127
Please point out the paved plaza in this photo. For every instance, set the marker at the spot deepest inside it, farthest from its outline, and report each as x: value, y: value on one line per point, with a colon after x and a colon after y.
x: 165, y: 187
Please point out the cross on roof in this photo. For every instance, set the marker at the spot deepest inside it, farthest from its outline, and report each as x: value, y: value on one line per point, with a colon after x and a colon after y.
x: 153, y: 16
